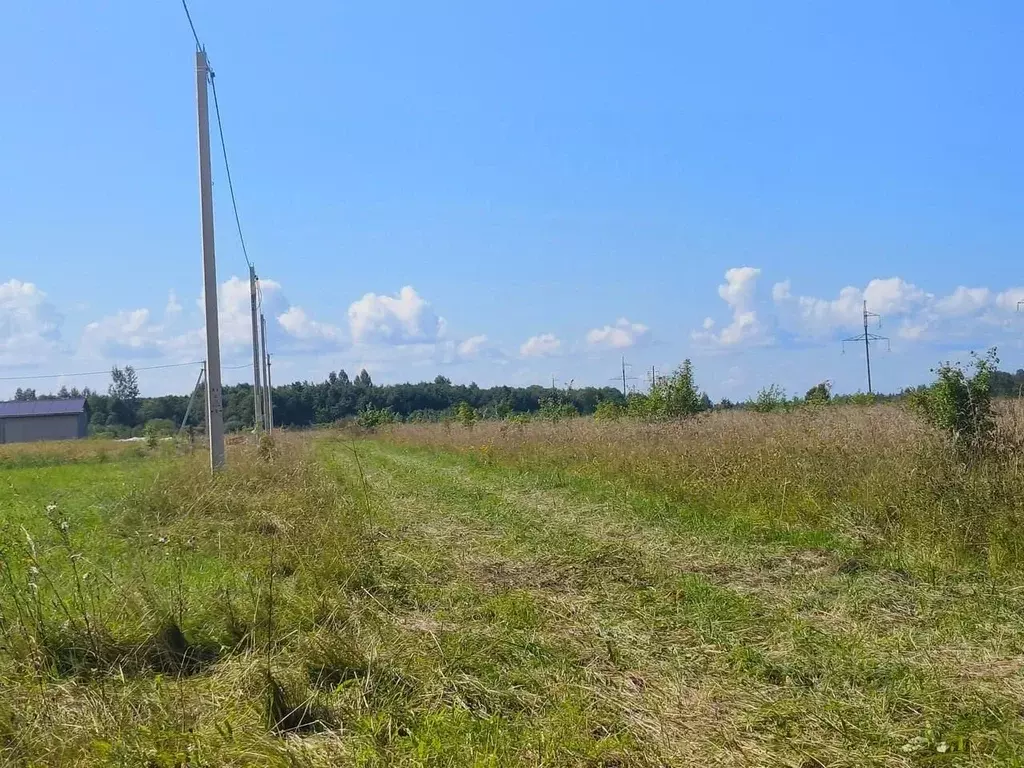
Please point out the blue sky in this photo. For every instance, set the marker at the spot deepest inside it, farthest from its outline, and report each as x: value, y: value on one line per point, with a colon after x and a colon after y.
x: 505, y: 192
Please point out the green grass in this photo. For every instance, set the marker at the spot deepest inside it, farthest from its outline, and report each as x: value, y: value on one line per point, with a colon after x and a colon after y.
x: 379, y: 603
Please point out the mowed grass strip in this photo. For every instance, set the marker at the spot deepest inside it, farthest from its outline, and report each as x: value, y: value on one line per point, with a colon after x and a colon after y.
x: 822, y: 648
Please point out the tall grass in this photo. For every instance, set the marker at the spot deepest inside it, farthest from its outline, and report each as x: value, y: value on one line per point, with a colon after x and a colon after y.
x: 190, y: 592
x: 876, y: 476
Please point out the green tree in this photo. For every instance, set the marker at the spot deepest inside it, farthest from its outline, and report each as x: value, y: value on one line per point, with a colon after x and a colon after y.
x: 675, y: 396
x: 819, y: 394
x: 960, y: 403
x: 124, y: 395
x: 770, y: 398
x: 466, y: 414
x: 371, y: 417
x: 608, y: 410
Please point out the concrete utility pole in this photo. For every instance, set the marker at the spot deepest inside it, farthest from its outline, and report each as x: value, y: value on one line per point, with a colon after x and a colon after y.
x: 214, y: 395
x: 867, y: 338
x: 270, y: 398
x: 257, y: 392
x: 268, y: 421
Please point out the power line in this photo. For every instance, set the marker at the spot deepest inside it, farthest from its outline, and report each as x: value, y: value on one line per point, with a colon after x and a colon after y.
x: 107, y: 371
x: 220, y: 132
x: 199, y: 46
x: 227, y: 167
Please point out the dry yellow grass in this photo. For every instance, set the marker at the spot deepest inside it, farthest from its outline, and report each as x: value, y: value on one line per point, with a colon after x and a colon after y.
x: 876, y: 473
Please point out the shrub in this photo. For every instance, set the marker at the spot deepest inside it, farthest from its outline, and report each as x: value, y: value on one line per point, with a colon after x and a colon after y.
x: 770, y: 398
x: 554, y: 409
x: 671, y: 397
x: 466, y: 415
x: 819, y: 394
x: 608, y: 410
x: 371, y: 417
x: 959, y: 404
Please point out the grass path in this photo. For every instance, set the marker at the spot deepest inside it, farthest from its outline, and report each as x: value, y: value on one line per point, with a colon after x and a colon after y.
x: 579, y: 623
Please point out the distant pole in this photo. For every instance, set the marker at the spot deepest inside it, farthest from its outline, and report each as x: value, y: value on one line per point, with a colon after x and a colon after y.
x: 867, y: 347
x: 270, y: 399
x: 257, y: 392
x: 191, y: 397
x: 623, y: 377
x: 269, y: 424
x: 214, y: 395
x: 867, y: 337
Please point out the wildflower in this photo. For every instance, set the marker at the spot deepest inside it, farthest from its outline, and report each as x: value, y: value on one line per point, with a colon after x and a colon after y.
x: 51, y: 508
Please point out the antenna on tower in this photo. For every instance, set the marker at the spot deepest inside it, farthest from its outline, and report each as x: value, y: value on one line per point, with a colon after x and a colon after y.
x: 867, y: 338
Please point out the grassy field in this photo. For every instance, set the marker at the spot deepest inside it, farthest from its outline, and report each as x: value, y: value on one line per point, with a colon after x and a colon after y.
x: 826, y: 587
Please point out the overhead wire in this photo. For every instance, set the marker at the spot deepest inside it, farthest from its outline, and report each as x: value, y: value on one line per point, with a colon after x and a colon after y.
x: 106, y: 372
x: 227, y: 168
x: 199, y: 46
x: 220, y: 133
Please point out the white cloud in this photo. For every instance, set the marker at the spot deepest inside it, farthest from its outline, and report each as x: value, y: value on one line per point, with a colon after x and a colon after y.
x: 29, y: 324
x: 472, y: 346
x: 300, y: 325
x: 543, y: 345
x: 173, y: 308
x: 619, y: 336
x: 963, y: 301
x: 402, y: 319
x: 233, y: 308
x: 811, y: 317
x: 126, y: 333
x: 738, y: 292
x: 781, y: 291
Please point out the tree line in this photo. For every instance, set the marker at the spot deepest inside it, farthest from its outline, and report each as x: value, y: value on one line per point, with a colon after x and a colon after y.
x: 122, y: 411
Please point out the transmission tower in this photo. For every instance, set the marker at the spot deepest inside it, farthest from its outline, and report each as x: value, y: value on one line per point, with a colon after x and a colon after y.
x: 624, y: 378
x: 867, y: 337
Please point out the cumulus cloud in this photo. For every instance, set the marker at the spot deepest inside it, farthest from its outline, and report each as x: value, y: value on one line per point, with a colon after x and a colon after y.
x: 619, y: 336
x: 402, y: 319
x: 128, y: 332
x: 472, y: 346
x: 739, y: 293
x: 811, y: 317
x: 297, y: 323
x: 542, y: 345
x: 233, y: 308
x: 173, y: 308
x: 29, y: 324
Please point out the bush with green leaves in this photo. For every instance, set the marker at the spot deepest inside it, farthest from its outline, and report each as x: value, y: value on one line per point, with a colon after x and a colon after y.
x: 675, y: 396
x: 959, y: 403
x: 819, y: 394
x: 371, y: 417
x: 556, y: 409
x: 608, y: 410
x: 769, y: 399
x: 466, y: 415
